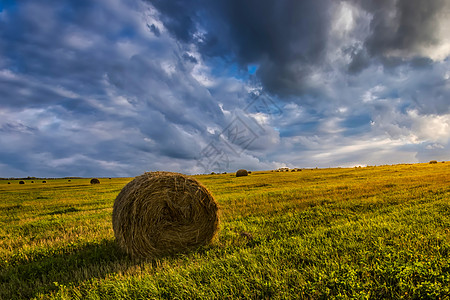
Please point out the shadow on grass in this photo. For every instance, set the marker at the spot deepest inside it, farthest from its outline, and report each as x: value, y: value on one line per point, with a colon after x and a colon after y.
x: 26, y: 277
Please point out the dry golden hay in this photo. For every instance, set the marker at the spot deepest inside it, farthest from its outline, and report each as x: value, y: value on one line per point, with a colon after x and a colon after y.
x: 241, y: 172
x: 94, y: 181
x: 160, y: 213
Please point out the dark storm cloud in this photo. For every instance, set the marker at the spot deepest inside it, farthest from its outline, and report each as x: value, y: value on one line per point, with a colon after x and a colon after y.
x: 403, y: 24
x: 401, y: 31
x: 286, y: 38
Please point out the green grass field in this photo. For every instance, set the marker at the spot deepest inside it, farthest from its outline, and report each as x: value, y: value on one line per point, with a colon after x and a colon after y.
x: 365, y: 233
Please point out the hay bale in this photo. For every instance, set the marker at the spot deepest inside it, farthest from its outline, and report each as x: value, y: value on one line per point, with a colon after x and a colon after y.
x: 241, y: 172
x: 21, y: 182
x: 95, y: 181
x: 161, y: 213
x: 9, y: 182
x: 44, y: 181
x: 433, y: 162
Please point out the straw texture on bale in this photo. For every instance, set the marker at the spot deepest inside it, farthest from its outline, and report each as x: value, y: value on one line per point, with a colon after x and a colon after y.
x: 241, y: 172
x: 94, y: 181
x: 160, y: 213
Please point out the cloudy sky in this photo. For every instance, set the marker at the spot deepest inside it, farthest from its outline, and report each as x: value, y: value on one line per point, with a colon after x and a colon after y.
x: 119, y: 87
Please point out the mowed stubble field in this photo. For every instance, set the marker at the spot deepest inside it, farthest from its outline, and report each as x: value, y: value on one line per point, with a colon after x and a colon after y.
x: 366, y: 233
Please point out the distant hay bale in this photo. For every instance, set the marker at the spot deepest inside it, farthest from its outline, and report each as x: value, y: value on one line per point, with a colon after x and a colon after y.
x: 32, y: 181
x: 21, y: 182
x: 241, y: 173
x: 71, y: 180
x: 9, y: 182
x: 433, y: 162
x: 249, y: 172
x: 95, y: 181
x: 161, y: 213
x: 44, y: 181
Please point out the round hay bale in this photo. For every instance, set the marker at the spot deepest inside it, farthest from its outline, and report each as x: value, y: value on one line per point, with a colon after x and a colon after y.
x: 9, y: 182
x: 95, y: 181
x: 21, y: 182
x: 44, y: 181
x: 161, y: 213
x: 241, y: 172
